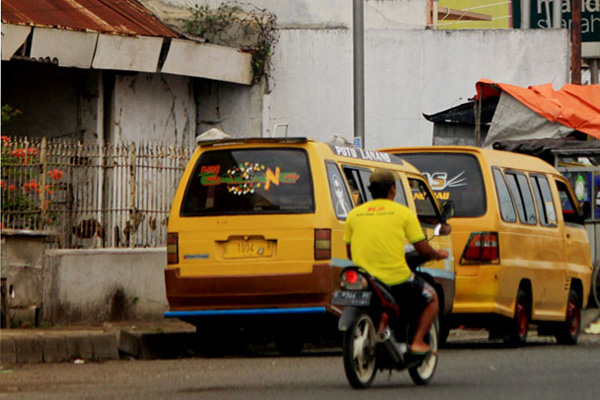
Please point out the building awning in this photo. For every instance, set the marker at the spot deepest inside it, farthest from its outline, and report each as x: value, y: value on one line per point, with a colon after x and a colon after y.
x: 115, y: 35
x: 574, y: 106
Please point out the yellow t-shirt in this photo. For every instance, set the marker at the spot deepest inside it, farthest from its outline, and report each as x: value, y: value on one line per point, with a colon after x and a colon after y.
x: 377, y: 232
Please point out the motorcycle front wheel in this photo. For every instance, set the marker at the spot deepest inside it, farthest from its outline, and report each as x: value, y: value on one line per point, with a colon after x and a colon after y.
x: 423, y: 373
x: 359, y: 352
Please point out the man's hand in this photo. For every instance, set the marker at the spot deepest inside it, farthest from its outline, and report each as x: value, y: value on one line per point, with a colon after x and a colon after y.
x: 442, y: 254
x: 425, y: 249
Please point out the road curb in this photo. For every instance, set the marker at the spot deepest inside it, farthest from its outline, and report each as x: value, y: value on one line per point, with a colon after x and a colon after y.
x: 53, y: 346
x: 32, y: 348
x: 151, y: 346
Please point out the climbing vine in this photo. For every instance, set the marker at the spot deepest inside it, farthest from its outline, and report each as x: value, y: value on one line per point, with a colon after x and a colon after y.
x: 245, y: 26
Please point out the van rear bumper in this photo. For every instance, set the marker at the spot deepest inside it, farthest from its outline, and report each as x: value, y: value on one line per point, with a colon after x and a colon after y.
x: 246, y: 312
x: 249, y: 295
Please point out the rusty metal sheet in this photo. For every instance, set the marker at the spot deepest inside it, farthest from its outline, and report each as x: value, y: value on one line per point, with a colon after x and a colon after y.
x: 13, y: 37
x: 127, y: 53
x: 49, y: 42
x: 208, y: 61
x: 123, y: 17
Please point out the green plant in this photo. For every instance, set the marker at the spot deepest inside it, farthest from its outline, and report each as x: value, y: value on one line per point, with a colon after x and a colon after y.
x: 251, y: 29
x: 8, y: 113
x: 26, y: 197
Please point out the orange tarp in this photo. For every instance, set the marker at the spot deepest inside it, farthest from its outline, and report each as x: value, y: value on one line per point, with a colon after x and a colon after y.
x: 575, y: 106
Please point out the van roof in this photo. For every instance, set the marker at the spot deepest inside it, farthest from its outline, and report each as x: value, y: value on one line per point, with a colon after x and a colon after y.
x: 500, y: 158
x: 230, y: 141
x: 339, y: 151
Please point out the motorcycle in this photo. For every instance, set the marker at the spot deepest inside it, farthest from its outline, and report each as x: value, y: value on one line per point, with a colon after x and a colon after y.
x: 378, y: 331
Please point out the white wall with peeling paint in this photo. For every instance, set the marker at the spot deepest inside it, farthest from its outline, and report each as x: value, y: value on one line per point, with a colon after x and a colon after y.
x: 409, y: 70
x: 407, y: 74
x: 153, y: 107
x: 326, y: 13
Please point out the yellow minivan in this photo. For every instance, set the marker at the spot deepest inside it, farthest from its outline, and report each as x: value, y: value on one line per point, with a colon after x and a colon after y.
x: 522, y: 250
x: 255, y: 234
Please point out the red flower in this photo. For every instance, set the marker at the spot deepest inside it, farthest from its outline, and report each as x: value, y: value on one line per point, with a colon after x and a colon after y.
x: 11, y: 188
x: 3, y: 184
x: 5, y: 140
x: 56, y: 174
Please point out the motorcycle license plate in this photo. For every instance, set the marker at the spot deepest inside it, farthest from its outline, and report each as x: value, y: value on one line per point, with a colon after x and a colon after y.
x: 348, y: 298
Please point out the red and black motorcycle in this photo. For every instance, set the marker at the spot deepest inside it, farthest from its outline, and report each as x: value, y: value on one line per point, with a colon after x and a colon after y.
x: 378, y: 331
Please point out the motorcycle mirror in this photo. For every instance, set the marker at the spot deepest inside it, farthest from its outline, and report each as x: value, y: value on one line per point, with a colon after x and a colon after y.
x: 448, y: 209
x: 437, y: 230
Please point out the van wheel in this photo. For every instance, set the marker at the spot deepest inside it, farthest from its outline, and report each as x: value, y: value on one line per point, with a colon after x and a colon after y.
x: 595, y: 287
x: 517, y: 333
x: 568, y: 331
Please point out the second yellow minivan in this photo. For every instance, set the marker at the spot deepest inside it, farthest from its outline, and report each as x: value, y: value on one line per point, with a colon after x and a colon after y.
x: 255, y: 235
x: 523, y: 254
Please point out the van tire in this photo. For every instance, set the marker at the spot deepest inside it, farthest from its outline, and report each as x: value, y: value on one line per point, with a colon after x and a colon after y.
x: 519, y: 325
x: 567, y: 332
x: 595, y: 287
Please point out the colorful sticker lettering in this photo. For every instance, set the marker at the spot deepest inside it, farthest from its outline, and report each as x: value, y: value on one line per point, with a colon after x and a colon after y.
x: 246, y: 177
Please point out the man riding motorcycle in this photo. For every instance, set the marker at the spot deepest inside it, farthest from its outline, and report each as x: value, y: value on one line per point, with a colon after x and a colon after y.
x: 375, y: 235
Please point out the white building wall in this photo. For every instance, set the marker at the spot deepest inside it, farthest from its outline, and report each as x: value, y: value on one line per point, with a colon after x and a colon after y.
x: 409, y: 70
x: 329, y: 13
x: 407, y: 73
x: 153, y: 107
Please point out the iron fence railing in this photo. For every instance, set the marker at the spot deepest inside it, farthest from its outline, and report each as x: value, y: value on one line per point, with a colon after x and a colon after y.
x: 90, y: 196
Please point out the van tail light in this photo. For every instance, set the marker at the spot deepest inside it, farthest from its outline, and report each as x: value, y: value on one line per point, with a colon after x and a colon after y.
x: 322, y: 244
x: 172, y: 248
x: 482, y: 248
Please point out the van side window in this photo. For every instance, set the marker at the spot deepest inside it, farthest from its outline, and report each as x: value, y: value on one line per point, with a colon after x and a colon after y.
x: 543, y: 199
x: 521, y: 192
x: 424, y: 201
x: 507, y: 208
x: 358, y: 179
x: 339, y: 192
x: 358, y: 190
x: 567, y: 204
x: 400, y: 196
x: 527, y: 199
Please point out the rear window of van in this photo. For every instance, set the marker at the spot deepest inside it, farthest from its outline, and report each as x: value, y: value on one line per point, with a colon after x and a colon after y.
x: 249, y: 181
x: 455, y: 177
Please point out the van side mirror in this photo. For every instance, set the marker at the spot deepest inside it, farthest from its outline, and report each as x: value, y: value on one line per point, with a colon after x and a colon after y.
x: 447, y: 210
x: 586, y: 210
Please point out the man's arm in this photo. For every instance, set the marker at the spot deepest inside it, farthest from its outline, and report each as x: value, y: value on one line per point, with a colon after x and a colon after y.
x: 348, y: 252
x: 424, y: 248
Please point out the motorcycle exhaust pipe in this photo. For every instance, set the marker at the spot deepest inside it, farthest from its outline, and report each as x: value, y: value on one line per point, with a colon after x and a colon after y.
x: 394, y: 350
x: 383, y: 335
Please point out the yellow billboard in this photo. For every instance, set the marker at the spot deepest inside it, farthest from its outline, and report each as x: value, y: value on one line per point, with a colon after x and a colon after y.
x: 458, y: 14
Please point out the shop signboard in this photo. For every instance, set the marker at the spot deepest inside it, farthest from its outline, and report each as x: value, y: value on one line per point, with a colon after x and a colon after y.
x: 542, y: 13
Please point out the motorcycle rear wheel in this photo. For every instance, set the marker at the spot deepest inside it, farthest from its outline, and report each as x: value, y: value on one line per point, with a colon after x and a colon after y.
x: 359, y: 352
x: 423, y: 373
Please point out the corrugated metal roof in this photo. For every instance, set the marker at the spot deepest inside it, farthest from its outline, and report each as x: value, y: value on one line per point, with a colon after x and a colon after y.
x: 121, y: 17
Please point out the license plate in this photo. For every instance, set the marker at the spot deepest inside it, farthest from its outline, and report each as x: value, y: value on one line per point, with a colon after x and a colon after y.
x: 348, y: 298
x: 248, y: 248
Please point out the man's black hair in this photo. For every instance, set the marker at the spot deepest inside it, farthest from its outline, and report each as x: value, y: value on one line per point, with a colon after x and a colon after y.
x: 380, y: 190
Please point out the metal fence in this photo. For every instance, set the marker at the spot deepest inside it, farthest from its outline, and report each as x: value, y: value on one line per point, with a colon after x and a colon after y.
x: 90, y: 196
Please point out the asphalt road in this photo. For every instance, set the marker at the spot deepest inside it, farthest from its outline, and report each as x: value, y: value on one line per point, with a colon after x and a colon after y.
x: 467, y: 370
